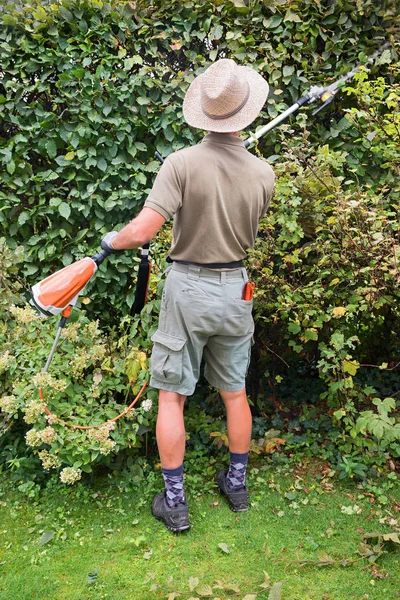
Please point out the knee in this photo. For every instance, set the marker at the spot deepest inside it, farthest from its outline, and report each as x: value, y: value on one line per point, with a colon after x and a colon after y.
x: 229, y: 397
x: 167, y: 398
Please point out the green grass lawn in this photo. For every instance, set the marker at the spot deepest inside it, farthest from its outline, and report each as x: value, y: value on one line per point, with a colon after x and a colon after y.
x: 297, y: 518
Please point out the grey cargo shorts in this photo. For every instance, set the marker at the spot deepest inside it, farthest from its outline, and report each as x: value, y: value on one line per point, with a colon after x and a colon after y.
x: 202, y: 315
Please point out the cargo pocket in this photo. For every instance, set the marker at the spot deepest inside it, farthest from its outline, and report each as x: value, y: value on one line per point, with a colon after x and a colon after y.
x: 166, y: 362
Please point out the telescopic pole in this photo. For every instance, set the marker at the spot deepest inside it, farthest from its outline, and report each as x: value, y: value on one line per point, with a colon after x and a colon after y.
x: 326, y: 94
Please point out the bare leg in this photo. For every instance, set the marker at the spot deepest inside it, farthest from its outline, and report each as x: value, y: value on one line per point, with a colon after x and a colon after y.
x: 239, y: 420
x: 170, y: 429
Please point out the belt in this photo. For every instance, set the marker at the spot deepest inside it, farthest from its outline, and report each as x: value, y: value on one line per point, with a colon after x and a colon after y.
x: 236, y: 264
x: 197, y: 272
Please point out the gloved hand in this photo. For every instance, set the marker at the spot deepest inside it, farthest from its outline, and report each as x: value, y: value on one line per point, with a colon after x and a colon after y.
x: 106, y: 243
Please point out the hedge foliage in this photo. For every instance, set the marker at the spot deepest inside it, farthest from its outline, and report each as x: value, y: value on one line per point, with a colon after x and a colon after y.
x: 89, y: 90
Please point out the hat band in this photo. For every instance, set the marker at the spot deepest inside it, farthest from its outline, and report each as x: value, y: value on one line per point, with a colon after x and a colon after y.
x: 230, y: 114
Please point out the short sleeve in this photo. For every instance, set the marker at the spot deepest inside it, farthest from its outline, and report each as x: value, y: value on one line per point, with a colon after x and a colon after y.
x: 166, y: 194
x: 269, y: 194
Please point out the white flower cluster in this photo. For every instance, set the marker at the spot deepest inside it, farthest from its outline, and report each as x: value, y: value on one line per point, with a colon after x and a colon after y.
x: 24, y: 315
x: 49, y: 461
x: 32, y: 412
x: 130, y: 414
x: 9, y: 404
x: 36, y: 438
x: 71, y: 331
x: 147, y: 405
x: 107, y: 446
x: 33, y: 438
x: 92, y: 329
x: 5, y: 361
x: 49, y: 435
x: 97, y: 352
x: 101, y: 436
x: 95, y: 391
x: 69, y: 475
x: 45, y: 380
x: 80, y: 362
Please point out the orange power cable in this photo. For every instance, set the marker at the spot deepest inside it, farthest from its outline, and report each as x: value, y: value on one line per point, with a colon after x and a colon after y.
x: 132, y: 404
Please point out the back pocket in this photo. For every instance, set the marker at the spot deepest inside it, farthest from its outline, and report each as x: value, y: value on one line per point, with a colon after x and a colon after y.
x: 166, y: 363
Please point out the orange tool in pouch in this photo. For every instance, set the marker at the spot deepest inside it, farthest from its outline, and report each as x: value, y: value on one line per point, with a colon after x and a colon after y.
x: 248, y: 291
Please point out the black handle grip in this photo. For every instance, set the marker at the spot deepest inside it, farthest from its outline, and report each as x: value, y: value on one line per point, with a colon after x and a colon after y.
x: 100, y: 256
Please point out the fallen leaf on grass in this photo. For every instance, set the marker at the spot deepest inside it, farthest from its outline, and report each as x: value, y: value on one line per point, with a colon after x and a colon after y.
x: 204, y: 590
x: 173, y: 595
x: 276, y: 590
x: 324, y: 558
x: 250, y: 597
x: 351, y: 510
x: 387, y: 537
x: 193, y: 582
x: 267, y: 581
x: 225, y: 548
x: 46, y: 537
x: 233, y: 587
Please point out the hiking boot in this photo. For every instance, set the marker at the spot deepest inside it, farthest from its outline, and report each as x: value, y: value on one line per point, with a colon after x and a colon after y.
x: 176, y: 518
x: 238, y: 499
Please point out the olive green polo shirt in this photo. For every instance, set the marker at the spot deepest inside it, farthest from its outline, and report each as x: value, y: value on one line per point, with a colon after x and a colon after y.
x: 216, y: 192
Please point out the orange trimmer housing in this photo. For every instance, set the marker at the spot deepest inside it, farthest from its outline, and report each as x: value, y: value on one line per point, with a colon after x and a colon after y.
x: 61, y: 289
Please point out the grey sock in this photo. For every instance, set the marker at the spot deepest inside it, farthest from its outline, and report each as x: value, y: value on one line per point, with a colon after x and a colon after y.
x: 174, y: 492
x: 236, y: 476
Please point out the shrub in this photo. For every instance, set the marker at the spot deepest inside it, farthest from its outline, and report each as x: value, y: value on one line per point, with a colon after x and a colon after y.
x: 89, y: 90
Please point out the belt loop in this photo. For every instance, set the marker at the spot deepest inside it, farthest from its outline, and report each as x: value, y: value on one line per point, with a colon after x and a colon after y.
x: 244, y: 275
x: 223, y: 278
x: 193, y: 272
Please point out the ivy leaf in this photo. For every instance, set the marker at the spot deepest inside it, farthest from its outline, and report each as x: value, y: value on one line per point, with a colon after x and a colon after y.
x: 311, y: 334
x: 64, y: 210
x: 350, y: 366
x: 69, y: 156
x: 294, y: 327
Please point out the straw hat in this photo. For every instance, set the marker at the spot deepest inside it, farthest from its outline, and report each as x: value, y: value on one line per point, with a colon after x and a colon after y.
x: 225, y: 98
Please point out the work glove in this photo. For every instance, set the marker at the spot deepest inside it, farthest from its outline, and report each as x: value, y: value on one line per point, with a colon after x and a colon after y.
x: 106, y: 243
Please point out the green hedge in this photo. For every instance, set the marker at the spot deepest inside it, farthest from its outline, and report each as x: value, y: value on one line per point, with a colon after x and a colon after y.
x: 89, y: 90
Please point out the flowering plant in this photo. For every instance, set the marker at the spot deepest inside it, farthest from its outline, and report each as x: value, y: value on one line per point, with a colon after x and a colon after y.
x: 93, y: 378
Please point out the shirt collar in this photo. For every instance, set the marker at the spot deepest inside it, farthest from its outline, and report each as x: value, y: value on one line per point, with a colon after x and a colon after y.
x: 223, y: 138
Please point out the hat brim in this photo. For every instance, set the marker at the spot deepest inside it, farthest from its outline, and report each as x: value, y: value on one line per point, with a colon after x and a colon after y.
x: 194, y: 115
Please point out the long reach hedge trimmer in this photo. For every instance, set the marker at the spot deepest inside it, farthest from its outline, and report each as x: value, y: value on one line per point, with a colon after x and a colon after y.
x: 58, y: 293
